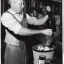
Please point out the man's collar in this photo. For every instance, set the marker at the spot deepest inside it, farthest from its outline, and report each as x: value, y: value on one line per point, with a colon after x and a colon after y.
x: 12, y: 11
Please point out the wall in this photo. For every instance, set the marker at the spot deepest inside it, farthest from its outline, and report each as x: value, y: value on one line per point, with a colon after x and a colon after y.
x: 0, y: 32
x: 63, y: 23
x: 0, y: 20
x: 63, y: 27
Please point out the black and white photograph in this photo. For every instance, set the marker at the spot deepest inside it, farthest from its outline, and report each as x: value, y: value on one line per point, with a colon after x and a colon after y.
x: 31, y: 31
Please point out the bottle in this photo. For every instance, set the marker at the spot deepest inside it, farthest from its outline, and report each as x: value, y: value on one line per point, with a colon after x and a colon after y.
x: 42, y: 59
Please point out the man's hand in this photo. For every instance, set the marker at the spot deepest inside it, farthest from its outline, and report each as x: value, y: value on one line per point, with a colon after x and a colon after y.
x: 47, y: 32
x: 48, y: 8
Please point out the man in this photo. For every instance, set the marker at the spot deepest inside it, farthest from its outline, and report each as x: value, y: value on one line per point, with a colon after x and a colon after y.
x: 15, y: 49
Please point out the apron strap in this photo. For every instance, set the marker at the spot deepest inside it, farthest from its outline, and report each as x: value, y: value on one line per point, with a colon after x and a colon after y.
x: 23, y: 22
x: 15, y: 17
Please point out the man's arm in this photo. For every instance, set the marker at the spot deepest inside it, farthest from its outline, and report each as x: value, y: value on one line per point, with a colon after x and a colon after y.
x: 9, y: 22
x: 26, y: 31
x: 35, y: 21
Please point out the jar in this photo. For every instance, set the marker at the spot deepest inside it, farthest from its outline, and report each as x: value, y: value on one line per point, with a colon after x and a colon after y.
x: 42, y: 59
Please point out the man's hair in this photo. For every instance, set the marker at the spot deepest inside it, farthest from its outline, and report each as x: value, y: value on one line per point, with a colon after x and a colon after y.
x: 10, y: 1
x: 13, y: 1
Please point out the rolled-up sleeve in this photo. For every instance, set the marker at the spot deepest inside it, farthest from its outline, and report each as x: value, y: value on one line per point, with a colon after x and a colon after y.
x: 28, y: 16
x: 11, y: 23
x: 31, y: 20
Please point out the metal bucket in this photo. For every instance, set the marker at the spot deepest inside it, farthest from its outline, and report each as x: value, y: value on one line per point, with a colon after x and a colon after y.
x: 36, y: 53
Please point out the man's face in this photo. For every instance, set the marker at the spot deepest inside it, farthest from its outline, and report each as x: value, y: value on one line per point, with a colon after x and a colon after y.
x: 18, y: 6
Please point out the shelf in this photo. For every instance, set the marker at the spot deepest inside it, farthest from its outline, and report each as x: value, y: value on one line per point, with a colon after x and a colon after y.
x: 57, y: 1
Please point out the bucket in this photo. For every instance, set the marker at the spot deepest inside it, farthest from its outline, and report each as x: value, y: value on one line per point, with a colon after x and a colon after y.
x: 36, y: 53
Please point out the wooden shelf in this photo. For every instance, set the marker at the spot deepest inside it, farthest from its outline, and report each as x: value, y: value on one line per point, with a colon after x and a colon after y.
x: 57, y: 0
